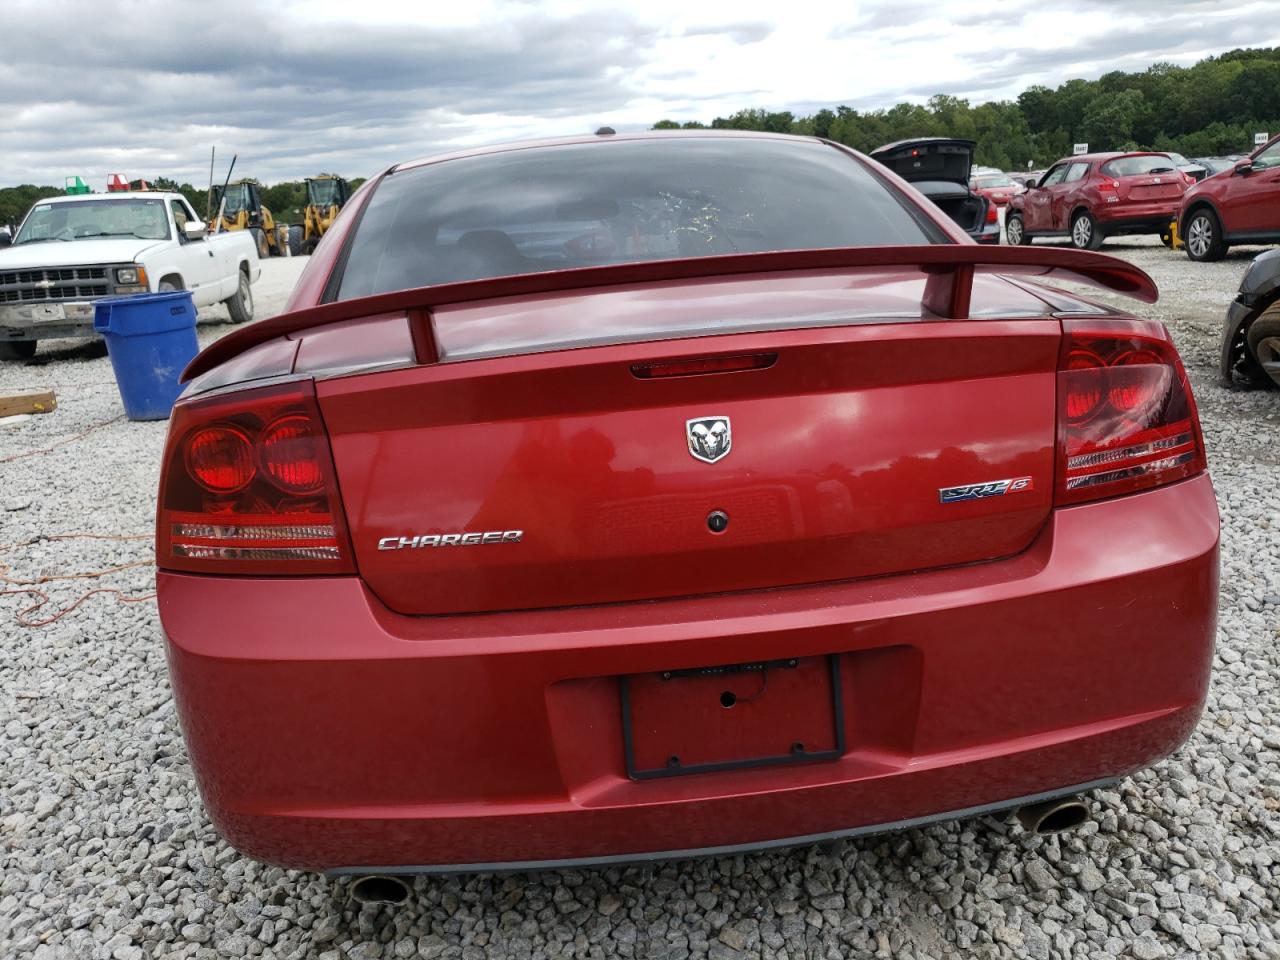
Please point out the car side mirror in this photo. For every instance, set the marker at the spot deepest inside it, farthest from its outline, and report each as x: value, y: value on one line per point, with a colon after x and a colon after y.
x: 194, y: 230
x: 1244, y: 168
x: 5, y: 240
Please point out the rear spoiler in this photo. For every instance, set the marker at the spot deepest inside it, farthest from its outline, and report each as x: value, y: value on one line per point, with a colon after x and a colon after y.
x: 950, y: 269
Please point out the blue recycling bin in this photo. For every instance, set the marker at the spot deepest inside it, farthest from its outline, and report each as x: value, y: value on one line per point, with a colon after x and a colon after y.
x: 150, y: 338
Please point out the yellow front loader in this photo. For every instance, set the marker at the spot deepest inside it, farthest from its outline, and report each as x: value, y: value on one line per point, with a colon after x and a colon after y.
x: 240, y: 208
x: 326, y: 195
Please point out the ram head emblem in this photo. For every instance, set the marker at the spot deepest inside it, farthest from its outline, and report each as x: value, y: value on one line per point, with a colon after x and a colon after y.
x: 709, y: 438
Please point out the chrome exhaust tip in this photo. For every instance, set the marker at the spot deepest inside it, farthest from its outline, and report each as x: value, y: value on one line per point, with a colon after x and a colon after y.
x: 1053, y: 816
x: 380, y: 889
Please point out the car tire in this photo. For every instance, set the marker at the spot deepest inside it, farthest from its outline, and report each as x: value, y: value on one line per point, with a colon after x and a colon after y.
x: 295, y: 240
x: 260, y: 241
x: 17, y: 349
x: 1203, y: 238
x: 1085, y: 234
x: 169, y: 285
x: 240, y: 304
x: 1014, y: 231
x: 1264, y: 342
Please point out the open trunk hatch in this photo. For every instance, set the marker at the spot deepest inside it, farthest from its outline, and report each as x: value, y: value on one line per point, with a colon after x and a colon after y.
x: 930, y: 159
x: 845, y: 445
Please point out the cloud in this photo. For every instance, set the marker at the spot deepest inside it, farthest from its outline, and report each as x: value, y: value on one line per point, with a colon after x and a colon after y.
x: 281, y: 91
x: 747, y: 32
x: 299, y: 86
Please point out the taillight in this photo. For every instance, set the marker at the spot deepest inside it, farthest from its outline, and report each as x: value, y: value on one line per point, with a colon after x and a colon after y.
x: 1126, y: 417
x: 993, y: 212
x: 1109, y: 191
x: 249, y: 487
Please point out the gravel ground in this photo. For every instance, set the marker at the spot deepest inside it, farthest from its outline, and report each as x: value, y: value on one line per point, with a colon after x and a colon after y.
x: 107, y: 853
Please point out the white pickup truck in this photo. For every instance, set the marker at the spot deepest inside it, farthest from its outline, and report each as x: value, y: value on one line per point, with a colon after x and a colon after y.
x: 73, y: 250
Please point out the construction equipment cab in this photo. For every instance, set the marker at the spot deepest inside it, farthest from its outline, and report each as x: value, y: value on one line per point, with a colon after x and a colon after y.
x: 240, y: 207
x: 326, y: 195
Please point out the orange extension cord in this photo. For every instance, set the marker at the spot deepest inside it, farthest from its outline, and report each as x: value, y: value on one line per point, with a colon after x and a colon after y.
x: 42, y: 598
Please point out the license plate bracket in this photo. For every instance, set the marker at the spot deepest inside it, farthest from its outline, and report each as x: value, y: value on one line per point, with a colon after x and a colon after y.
x: 731, y: 717
x: 48, y: 312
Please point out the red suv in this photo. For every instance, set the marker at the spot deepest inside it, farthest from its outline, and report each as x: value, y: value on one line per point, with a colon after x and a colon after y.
x: 1236, y: 207
x: 744, y: 522
x: 1100, y: 195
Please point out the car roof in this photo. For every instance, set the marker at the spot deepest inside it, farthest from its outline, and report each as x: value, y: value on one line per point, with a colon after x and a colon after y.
x: 1111, y: 155
x: 118, y: 195
x: 509, y: 146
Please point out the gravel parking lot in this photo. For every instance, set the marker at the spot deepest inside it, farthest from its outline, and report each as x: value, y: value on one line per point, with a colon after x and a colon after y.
x: 107, y: 853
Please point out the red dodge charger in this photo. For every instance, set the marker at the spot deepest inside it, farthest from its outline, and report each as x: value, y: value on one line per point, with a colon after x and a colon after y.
x: 635, y: 496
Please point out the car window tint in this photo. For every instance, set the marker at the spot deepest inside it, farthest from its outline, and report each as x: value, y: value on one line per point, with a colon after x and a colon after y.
x: 1055, y: 175
x: 577, y: 205
x: 1138, y: 166
x: 1076, y: 172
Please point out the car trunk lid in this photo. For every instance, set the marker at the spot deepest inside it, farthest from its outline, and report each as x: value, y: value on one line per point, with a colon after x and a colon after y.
x: 1165, y: 186
x: 864, y: 437
x: 932, y: 159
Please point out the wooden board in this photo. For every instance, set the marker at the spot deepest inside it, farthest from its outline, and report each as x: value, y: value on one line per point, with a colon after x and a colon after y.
x: 27, y: 401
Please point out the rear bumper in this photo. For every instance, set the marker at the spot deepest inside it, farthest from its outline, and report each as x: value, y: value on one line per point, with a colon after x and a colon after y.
x: 329, y: 733
x: 1137, y: 217
x: 990, y: 233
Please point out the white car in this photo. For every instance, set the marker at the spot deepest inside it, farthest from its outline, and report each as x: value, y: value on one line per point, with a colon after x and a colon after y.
x: 71, y: 251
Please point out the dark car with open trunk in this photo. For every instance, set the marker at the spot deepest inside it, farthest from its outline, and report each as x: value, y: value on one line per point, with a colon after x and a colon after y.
x: 940, y: 168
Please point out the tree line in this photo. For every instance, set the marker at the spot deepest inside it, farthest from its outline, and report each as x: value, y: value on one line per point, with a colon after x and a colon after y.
x: 1209, y: 109
x: 285, y: 200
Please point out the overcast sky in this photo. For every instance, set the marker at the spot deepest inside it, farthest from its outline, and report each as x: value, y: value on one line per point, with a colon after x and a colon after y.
x: 91, y: 87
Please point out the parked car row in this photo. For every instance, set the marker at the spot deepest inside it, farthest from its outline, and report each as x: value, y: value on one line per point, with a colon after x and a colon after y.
x: 1213, y: 202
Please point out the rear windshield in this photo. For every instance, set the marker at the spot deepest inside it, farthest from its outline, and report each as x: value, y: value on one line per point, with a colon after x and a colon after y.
x: 1138, y: 166
x: 554, y: 208
x: 1000, y: 181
